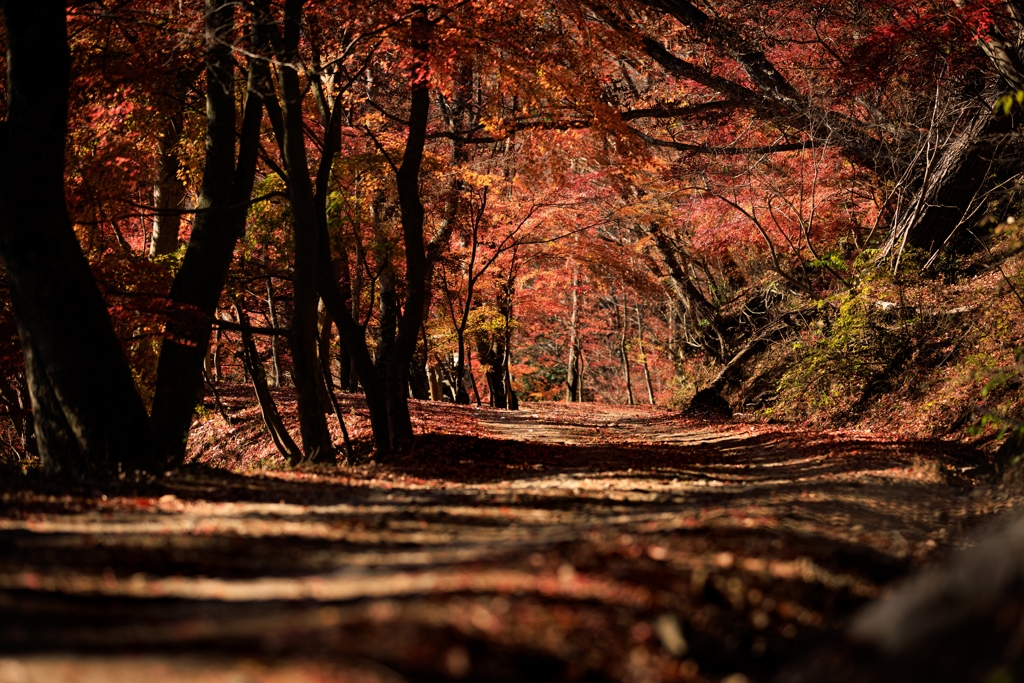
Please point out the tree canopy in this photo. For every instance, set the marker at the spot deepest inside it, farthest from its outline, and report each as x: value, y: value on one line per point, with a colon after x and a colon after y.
x: 465, y: 200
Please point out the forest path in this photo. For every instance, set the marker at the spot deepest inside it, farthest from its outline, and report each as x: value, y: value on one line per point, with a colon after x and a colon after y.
x: 554, y: 544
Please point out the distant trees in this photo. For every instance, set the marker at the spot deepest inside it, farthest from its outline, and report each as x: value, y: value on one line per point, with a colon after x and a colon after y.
x: 550, y: 198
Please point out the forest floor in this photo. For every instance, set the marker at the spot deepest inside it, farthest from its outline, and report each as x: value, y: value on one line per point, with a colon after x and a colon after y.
x: 557, y: 543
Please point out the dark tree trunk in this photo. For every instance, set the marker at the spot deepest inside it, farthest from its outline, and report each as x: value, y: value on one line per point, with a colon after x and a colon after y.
x: 419, y: 383
x: 573, y: 384
x: 316, y: 439
x: 386, y: 383
x: 323, y: 355
x: 168, y: 190
x: 328, y: 383
x: 250, y: 357
x: 224, y: 194
x: 624, y: 353
x: 353, y: 336
x: 490, y: 355
x: 397, y: 379
x: 88, y: 415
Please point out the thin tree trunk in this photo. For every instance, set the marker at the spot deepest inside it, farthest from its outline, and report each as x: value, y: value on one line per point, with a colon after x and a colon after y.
x: 218, y: 375
x: 275, y: 362
x: 643, y: 355
x: 624, y: 352
x: 286, y: 446
x: 88, y: 415
x: 169, y: 190
x: 323, y: 352
x: 436, y: 385
x: 325, y: 368
x: 472, y: 378
x: 512, y: 400
x: 572, y: 381
x: 216, y: 398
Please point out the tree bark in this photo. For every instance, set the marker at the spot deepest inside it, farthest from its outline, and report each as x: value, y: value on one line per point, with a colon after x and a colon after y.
x: 419, y: 383
x: 643, y: 355
x: 169, y: 190
x: 223, y: 205
x: 397, y: 379
x: 624, y: 352
x: 316, y: 439
x: 271, y: 417
x: 698, y: 309
x: 275, y: 361
x: 88, y: 416
x: 574, y: 388
x: 323, y: 354
x: 388, y: 400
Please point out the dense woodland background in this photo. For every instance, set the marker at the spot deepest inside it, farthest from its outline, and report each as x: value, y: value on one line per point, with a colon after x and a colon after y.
x: 792, y: 210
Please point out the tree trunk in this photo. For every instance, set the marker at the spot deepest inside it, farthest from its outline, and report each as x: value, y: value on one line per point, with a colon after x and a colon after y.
x: 512, y: 401
x: 624, y: 352
x: 275, y: 361
x: 223, y: 204
x: 218, y: 375
x: 353, y: 335
x: 88, y: 415
x: 411, y: 207
x: 472, y: 377
x: 419, y: 383
x: 250, y: 357
x: 316, y: 439
x: 491, y: 355
x: 169, y: 190
x: 328, y: 383
x: 323, y: 354
x: 461, y: 395
x: 388, y: 401
x: 573, y: 390
x: 436, y: 383
x: 643, y: 356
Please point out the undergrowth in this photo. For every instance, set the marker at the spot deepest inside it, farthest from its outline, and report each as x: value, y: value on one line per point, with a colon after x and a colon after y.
x: 921, y: 352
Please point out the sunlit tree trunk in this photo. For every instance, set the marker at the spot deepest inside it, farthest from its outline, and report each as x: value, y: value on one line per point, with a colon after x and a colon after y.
x: 169, y: 190
x: 512, y: 400
x: 323, y: 353
x: 275, y: 362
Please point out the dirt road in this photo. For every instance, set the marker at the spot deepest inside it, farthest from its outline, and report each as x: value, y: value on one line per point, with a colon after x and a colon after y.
x: 553, y: 544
